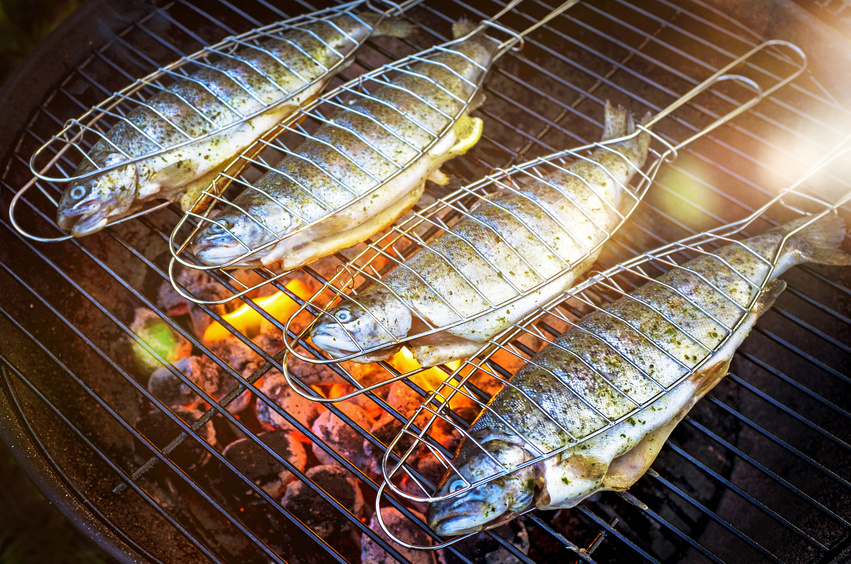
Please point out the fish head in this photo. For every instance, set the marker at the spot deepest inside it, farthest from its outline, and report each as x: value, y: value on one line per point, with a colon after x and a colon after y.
x: 87, y: 205
x: 373, y: 318
x: 238, y: 236
x: 491, y: 503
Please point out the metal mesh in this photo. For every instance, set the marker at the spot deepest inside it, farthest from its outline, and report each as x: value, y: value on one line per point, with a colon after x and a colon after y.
x: 670, y: 337
x: 349, y: 159
x: 566, y: 174
x: 769, y: 435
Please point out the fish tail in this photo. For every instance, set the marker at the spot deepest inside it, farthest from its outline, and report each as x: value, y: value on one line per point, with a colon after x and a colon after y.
x: 618, y: 122
x: 395, y: 27
x: 821, y: 240
x: 462, y: 27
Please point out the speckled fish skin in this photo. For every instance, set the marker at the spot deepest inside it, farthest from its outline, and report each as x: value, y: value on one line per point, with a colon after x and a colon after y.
x: 280, y: 204
x: 87, y: 205
x: 583, y: 364
x: 551, y: 224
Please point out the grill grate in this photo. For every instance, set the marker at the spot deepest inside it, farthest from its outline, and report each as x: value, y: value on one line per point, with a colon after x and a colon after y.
x: 593, y: 296
x: 76, y: 300
x: 423, y: 231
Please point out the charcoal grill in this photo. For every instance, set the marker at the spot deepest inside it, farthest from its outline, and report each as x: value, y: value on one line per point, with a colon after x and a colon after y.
x: 758, y: 472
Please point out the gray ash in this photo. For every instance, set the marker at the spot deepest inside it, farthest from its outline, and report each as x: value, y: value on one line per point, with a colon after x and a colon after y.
x: 402, y: 528
x: 275, y: 386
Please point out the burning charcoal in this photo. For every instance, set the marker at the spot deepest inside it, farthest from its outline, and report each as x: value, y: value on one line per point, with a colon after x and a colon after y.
x: 275, y: 386
x: 270, y: 342
x: 314, y: 511
x: 157, y: 334
x: 171, y: 389
x: 254, y: 463
x: 406, y: 401
x: 482, y: 548
x: 402, y: 528
x: 218, y: 381
x: 311, y: 374
x: 370, y: 375
x: 384, y: 429
x: 200, y: 285
x: 340, y: 389
x: 341, y: 436
x: 161, y: 430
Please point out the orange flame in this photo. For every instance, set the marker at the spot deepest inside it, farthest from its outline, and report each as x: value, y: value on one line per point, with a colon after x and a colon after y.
x: 248, y: 321
x: 429, y: 379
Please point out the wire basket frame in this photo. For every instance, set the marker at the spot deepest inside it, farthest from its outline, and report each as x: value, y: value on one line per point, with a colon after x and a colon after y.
x: 419, y: 231
x: 262, y: 93
x: 563, y: 316
x: 288, y: 135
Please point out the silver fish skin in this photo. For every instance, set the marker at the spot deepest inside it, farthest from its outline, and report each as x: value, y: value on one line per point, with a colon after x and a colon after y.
x: 632, y: 345
x: 292, y: 60
x: 357, y: 150
x: 553, y: 223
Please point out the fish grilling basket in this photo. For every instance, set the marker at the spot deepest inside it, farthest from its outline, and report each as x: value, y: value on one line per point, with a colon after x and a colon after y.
x: 162, y: 421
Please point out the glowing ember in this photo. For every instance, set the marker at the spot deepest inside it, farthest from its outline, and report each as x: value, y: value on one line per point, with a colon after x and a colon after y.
x: 248, y: 321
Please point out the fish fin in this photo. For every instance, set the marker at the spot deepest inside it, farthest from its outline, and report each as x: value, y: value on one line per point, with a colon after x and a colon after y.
x: 617, y: 122
x: 467, y: 130
x: 462, y: 27
x: 768, y: 296
x: 441, y: 348
x: 438, y: 177
x: 395, y: 27
x: 626, y: 469
x: 477, y: 101
x: 822, y: 239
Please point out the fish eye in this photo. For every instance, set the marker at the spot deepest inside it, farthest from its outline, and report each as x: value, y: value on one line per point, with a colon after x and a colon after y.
x: 456, y: 485
x: 343, y: 315
x: 77, y: 192
x: 220, y: 226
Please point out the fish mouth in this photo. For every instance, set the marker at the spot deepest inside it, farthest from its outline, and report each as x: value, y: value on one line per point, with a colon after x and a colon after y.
x: 83, y: 219
x: 335, y: 345
x: 467, y: 518
x: 217, y: 253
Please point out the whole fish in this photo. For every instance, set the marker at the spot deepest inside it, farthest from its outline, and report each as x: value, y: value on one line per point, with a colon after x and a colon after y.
x: 269, y: 74
x: 614, y: 361
x: 361, y: 147
x: 553, y: 224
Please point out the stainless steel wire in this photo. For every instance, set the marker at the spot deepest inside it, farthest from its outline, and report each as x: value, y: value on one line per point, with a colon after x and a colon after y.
x: 234, y: 62
x: 595, y: 295
x: 405, y: 239
x: 300, y: 128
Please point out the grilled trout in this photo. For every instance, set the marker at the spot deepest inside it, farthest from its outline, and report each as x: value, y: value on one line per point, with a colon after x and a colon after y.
x: 360, y: 148
x: 553, y: 224
x: 652, y: 337
x: 292, y: 60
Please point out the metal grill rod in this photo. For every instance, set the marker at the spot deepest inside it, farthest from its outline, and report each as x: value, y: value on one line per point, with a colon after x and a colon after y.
x: 312, y: 113
x: 693, y: 243
x: 116, y: 109
x: 218, y: 407
x: 359, y: 266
